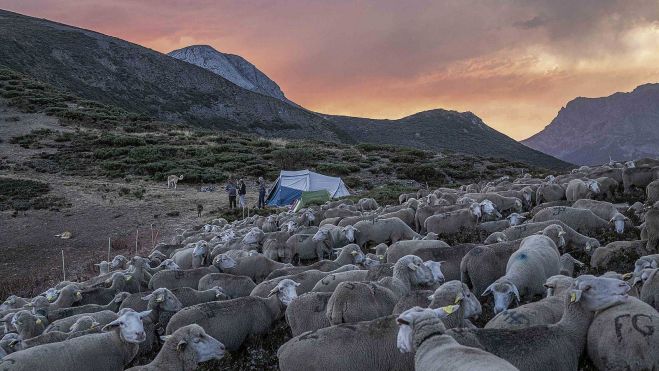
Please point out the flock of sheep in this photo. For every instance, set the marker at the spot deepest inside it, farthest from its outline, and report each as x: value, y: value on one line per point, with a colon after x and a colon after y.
x: 385, y: 292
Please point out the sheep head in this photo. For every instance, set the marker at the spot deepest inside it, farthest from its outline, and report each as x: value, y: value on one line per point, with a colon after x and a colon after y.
x: 503, y: 292
x: 412, y: 266
x: 555, y: 285
x: 435, y: 270
x: 163, y: 299
x: 224, y: 261
x: 487, y: 207
x: 169, y: 264
x: 193, y: 345
x: 321, y: 235
x: 618, y: 222
x: 642, y: 263
x: 129, y: 323
x: 475, y: 209
x: 254, y: 236
x: 407, y: 320
x: 598, y: 293
x: 371, y: 263
x: 515, y: 218
x: 349, y: 232
x: 285, y: 291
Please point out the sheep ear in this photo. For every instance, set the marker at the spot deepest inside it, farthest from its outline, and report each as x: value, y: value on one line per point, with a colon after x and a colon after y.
x: 145, y: 313
x: 653, y: 264
x: 431, y: 297
x: 487, y: 290
x: 148, y: 297
x: 458, y: 298
x: 111, y: 325
x: 445, y: 311
x: 180, y: 347
x: 164, y: 338
x: 575, y: 296
x: 561, y: 233
x: 516, y: 292
x: 411, y: 266
x: 627, y: 276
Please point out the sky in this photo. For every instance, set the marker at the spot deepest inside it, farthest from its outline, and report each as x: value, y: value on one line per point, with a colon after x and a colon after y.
x: 514, y: 63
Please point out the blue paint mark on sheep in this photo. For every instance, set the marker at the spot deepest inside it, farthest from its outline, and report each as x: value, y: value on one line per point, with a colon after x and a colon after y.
x: 522, y: 256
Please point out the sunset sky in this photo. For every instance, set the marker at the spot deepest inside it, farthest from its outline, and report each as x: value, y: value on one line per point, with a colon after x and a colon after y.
x: 514, y: 63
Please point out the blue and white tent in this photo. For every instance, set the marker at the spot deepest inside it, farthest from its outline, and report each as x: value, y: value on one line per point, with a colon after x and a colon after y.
x: 291, y: 184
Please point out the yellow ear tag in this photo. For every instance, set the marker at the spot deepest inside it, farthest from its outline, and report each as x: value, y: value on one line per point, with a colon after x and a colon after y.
x: 458, y: 298
x: 573, y: 297
x: 39, y: 321
x: 627, y: 276
x: 128, y: 278
x: 448, y: 309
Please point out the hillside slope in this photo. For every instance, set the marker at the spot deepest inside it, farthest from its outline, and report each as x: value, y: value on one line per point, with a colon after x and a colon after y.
x: 587, y: 131
x: 445, y: 130
x: 109, y: 70
x: 232, y: 67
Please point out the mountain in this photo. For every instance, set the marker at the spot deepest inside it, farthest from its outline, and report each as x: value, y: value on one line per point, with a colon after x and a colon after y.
x: 113, y: 71
x: 587, y: 131
x: 232, y: 67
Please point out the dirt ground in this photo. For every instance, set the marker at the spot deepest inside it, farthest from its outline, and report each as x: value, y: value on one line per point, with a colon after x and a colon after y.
x: 30, y: 252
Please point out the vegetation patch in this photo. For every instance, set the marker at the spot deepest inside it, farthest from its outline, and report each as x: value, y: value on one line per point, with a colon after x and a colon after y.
x: 22, y: 195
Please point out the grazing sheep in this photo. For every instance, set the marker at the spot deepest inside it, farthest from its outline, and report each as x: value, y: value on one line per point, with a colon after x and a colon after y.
x: 422, y: 330
x: 573, y: 241
x: 652, y: 192
x: 652, y: 228
x: 103, y: 295
x: 69, y: 295
x: 638, y: 177
x: 581, y: 220
x: 549, y: 193
x: 608, y: 187
x: 371, y: 345
x: 452, y: 222
x: 450, y: 256
x: 28, y: 325
x: 367, y: 204
x: 503, y: 204
x: 114, y: 305
x: 161, y: 305
x: 233, y: 286
x: 179, y: 278
x: 416, y: 298
x: 307, y: 312
x: 625, y: 336
x: 567, y: 265
x: 256, y: 267
x: 456, y: 292
x: 566, y: 338
x: 65, y: 324
x: 306, y: 279
x: 119, y: 262
x: 606, y: 211
x: 543, y: 312
x: 650, y: 289
x: 406, y: 215
x: 424, y: 212
x: 526, y: 272
x: 363, y: 301
x: 558, y: 284
x: 83, y: 326
x: 578, y: 189
x: 350, y: 254
x: 13, y: 302
x: 184, y: 350
x: 384, y: 230
x: 193, y: 257
x: 232, y: 321
x: 111, y: 350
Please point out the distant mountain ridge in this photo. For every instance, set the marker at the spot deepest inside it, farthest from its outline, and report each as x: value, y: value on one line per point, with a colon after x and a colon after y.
x: 587, y: 131
x: 232, y: 67
x: 113, y: 71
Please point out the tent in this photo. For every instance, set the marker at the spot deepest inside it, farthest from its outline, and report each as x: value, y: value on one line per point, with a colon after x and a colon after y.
x: 312, y: 197
x: 291, y: 184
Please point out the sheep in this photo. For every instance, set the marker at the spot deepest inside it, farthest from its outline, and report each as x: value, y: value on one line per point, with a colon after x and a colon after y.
x: 232, y: 321
x: 371, y: 345
x: 275, y: 248
x: 567, y: 265
x: 452, y: 222
x: 526, y: 272
x: 416, y: 298
x: 406, y: 215
x: 493, y: 226
x: 307, y: 312
x: 367, y: 204
x: 606, y: 211
x: 581, y: 220
x: 558, y: 284
x: 161, y: 305
x: 103, y: 268
x: 83, y: 326
x: 180, y: 278
x: 625, y: 336
x: 384, y: 230
x: 13, y: 302
x: 111, y: 350
x: 456, y: 292
x: 104, y: 295
x: 189, y: 296
x: 652, y: 228
x: 363, y: 301
x: 306, y: 279
x: 578, y: 189
x: 543, y: 312
x: 114, y: 305
x: 192, y: 257
x: 64, y: 325
x: 503, y: 204
x: 450, y: 257
x: 423, y: 331
x: 340, y: 211
x: 305, y: 246
x: 69, y: 295
x: 650, y: 289
x: 28, y: 325
x: 573, y: 241
x: 608, y: 187
x: 652, y: 192
x: 119, y: 262
x: 231, y: 285
x: 515, y: 219
x: 542, y: 343
x: 256, y: 267
x: 332, y: 280
x: 549, y: 193
x: 424, y: 212
x: 638, y: 177
x: 184, y: 349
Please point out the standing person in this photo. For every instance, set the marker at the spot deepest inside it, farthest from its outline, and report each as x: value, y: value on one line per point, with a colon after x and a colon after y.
x: 242, y: 191
x: 261, y: 193
x: 231, y: 190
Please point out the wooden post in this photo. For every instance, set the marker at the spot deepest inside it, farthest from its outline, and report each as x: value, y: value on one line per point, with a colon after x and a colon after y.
x: 63, y: 270
x: 152, y: 244
x: 137, y: 235
x: 109, y: 246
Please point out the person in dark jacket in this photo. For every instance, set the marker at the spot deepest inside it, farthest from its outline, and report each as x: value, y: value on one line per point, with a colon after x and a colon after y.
x: 242, y: 192
x: 261, y: 192
x: 232, y: 191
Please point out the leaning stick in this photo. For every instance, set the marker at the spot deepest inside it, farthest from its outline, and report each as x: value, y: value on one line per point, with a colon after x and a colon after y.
x: 137, y: 235
x: 63, y: 270
x: 109, y: 245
